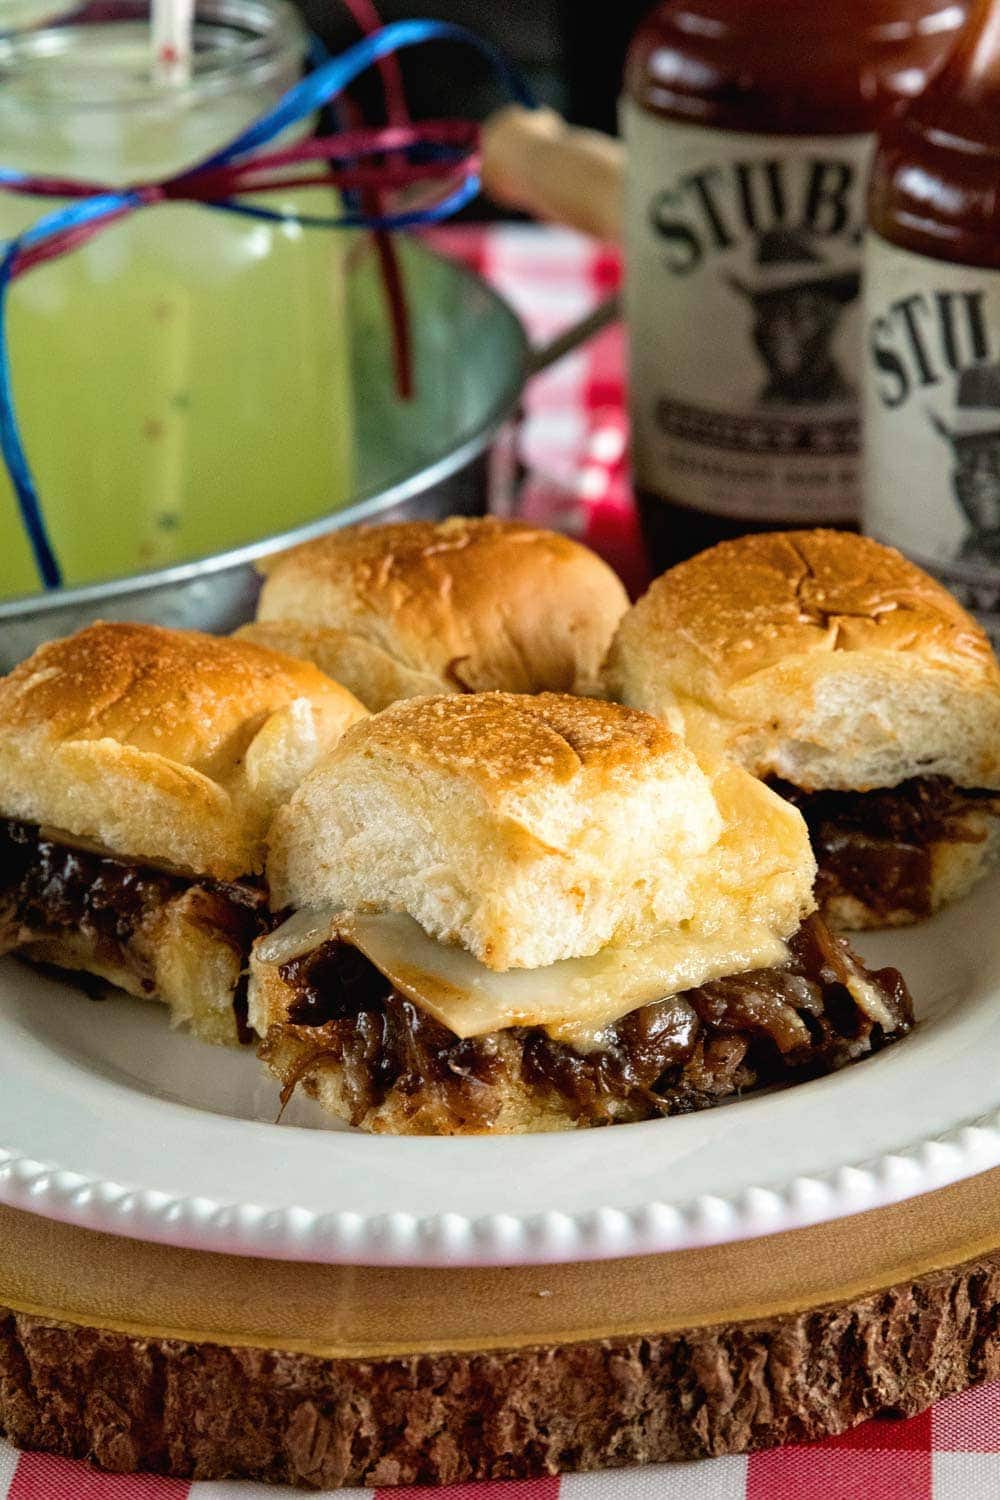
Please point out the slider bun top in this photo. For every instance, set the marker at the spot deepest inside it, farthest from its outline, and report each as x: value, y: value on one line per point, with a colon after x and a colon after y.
x: 818, y: 656
x: 163, y: 745
x: 532, y: 829
x: 459, y: 606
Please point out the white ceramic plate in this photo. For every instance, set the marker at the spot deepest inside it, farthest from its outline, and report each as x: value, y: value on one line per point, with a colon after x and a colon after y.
x: 111, y: 1121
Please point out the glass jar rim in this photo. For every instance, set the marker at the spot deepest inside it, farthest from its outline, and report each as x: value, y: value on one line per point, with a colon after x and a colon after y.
x: 264, y: 36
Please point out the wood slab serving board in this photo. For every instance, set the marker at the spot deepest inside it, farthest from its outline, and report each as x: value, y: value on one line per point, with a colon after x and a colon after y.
x: 206, y: 1366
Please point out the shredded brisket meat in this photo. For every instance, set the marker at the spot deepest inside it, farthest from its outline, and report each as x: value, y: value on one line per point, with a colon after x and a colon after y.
x: 670, y: 1057
x: 877, y: 846
x: 108, y: 907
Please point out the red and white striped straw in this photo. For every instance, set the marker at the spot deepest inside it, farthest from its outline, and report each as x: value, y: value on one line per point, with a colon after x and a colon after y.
x: 172, y: 26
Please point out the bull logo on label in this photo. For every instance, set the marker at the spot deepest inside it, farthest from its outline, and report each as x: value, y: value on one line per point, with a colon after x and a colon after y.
x: 974, y: 435
x: 798, y: 300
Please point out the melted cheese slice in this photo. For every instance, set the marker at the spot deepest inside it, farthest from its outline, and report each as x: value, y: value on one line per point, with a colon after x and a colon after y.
x: 574, y: 1000
x: 750, y: 893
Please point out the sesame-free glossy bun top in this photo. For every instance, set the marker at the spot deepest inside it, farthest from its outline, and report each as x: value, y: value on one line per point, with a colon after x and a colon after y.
x: 462, y: 605
x: 533, y: 829
x: 163, y: 745
x: 819, y: 656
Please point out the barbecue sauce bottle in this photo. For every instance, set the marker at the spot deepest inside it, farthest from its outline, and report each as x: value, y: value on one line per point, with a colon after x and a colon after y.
x: 749, y: 130
x: 932, y: 313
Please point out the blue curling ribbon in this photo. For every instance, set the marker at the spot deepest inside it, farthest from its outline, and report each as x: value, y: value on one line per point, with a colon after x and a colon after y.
x: 328, y: 80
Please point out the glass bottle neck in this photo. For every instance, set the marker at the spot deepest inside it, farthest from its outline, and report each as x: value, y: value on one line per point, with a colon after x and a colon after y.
x: 971, y: 74
x: 845, y: 19
x: 805, y: 68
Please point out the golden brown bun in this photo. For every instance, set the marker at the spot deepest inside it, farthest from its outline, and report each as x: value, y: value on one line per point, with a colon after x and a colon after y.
x: 163, y: 745
x: 817, y: 656
x: 461, y: 605
x: 533, y: 829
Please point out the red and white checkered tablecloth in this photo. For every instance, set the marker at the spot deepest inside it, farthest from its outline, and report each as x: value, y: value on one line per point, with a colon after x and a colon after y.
x: 572, y: 441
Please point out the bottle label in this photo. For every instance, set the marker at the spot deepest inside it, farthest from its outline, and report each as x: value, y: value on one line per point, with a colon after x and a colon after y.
x: 742, y: 296
x: 932, y: 418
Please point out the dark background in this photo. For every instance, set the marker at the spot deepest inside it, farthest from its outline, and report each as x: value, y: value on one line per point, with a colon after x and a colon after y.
x: 571, y: 51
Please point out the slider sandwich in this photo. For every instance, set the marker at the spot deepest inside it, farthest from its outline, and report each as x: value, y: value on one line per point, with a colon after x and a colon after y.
x: 139, y: 769
x: 853, y: 683
x: 460, y: 606
x: 515, y: 913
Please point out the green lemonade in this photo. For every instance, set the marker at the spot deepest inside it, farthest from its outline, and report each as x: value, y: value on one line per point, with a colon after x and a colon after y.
x: 182, y: 380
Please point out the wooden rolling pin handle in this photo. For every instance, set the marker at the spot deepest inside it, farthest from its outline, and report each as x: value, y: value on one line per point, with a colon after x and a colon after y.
x: 533, y: 161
